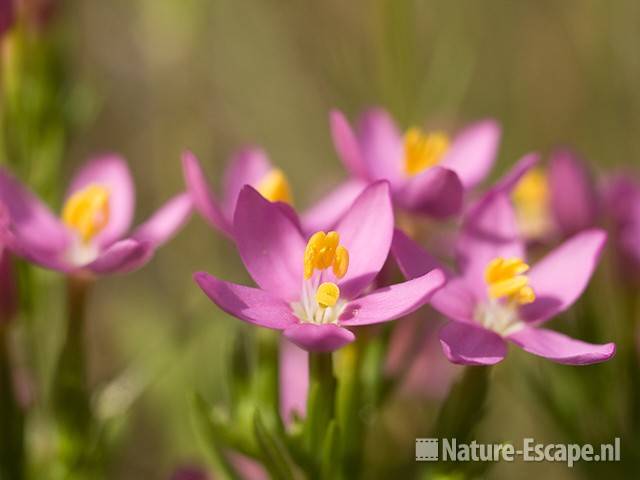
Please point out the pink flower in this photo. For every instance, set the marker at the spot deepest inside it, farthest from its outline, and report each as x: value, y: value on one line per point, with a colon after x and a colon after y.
x: 312, y: 288
x: 427, y: 172
x: 494, y: 297
x: 95, y: 217
x: 251, y: 166
x: 622, y: 199
x: 7, y: 15
x: 553, y: 202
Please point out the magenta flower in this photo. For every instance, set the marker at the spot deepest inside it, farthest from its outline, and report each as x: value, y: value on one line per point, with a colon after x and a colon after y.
x: 251, y: 166
x: 494, y: 297
x: 7, y: 15
x: 427, y: 172
x: 622, y: 199
x: 95, y: 217
x: 312, y: 288
x: 293, y: 380
x: 558, y: 201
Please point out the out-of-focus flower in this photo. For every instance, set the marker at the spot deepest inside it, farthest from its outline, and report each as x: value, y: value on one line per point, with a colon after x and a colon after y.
x: 8, y: 287
x: 190, y: 473
x: 416, y: 356
x: 555, y: 202
x: 313, y: 288
x: 428, y: 172
x: 96, y: 215
x: 294, y: 381
x: 250, y: 166
x: 7, y: 15
x: 495, y: 297
x: 622, y: 201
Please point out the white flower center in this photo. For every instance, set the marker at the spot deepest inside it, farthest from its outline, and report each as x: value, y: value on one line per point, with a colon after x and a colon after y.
x: 308, y: 310
x: 501, y: 317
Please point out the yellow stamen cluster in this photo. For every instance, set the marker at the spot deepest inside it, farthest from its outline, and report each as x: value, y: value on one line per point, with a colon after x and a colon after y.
x: 275, y: 187
x: 327, y: 294
x: 324, y: 251
x: 422, y: 151
x: 531, y: 199
x: 87, y: 211
x: 505, y: 279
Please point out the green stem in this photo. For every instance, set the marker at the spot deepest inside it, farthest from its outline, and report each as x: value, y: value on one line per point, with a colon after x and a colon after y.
x: 71, y: 395
x: 321, y: 403
x: 11, y: 417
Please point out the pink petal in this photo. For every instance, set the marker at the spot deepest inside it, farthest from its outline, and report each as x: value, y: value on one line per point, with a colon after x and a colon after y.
x: 392, y: 302
x: 36, y: 230
x: 561, y: 348
x: 203, y: 199
x: 489, y: 231
x: 249, y: 304
x: 294, y: 381
x: 573, y: 195
x: 319, y: 338
x: 112, y: 172
x: 366, y: 231
x: 166, y: 221
x: 508, y: 182
x: 270, y: 244
x: 563, y: 274
x: 324, y: 214
x: 247, y: 167
x: 436, y: 192
x: 381, y: 145
x: 467, y: 344
x: 121, y: 257
x: 473, y: 152
x: 346, y: 144
x: 454, y: 300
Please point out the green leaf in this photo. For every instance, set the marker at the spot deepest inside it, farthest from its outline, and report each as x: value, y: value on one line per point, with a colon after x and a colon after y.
x: 330, y: 466
x: 214, y: 434
x: 273, y: 451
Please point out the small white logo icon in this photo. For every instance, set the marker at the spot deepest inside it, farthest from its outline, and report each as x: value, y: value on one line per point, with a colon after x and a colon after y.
x: 426, y: 449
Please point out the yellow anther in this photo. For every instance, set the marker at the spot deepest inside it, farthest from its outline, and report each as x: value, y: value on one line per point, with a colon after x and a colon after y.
x: 505, y: 279
x: 324, y: 251
x: 327, y: 294
x: 274, y: 186
x: 531, y: 200
x: 87, y: 211
x: 341, y: 262
x: 422, y: 151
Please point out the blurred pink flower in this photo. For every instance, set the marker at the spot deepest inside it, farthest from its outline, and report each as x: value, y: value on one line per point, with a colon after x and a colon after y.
x: 622, y: 201
x: 7, y: 15
x: 96, y: 216
x: 551, y: 203
x: 251, y: 166
x: 297, y: 292
x: 493, y: 297
x: 428, y: 173
x: 294, y: 381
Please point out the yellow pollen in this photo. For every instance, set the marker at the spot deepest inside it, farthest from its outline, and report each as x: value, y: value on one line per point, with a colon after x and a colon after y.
x: 324, y: 251
x: 531, y: 200
x: 327, y: 294
x: 505, y: 279
x: 422, y: 151
x: 87, y: 211
x: 275, y: 187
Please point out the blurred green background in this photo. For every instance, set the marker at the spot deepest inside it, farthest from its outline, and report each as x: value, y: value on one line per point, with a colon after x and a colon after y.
x: 214, y: 75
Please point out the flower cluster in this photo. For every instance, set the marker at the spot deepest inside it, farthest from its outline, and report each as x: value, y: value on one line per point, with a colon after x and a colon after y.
x: 319, y: 274
x: 494, y: 264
